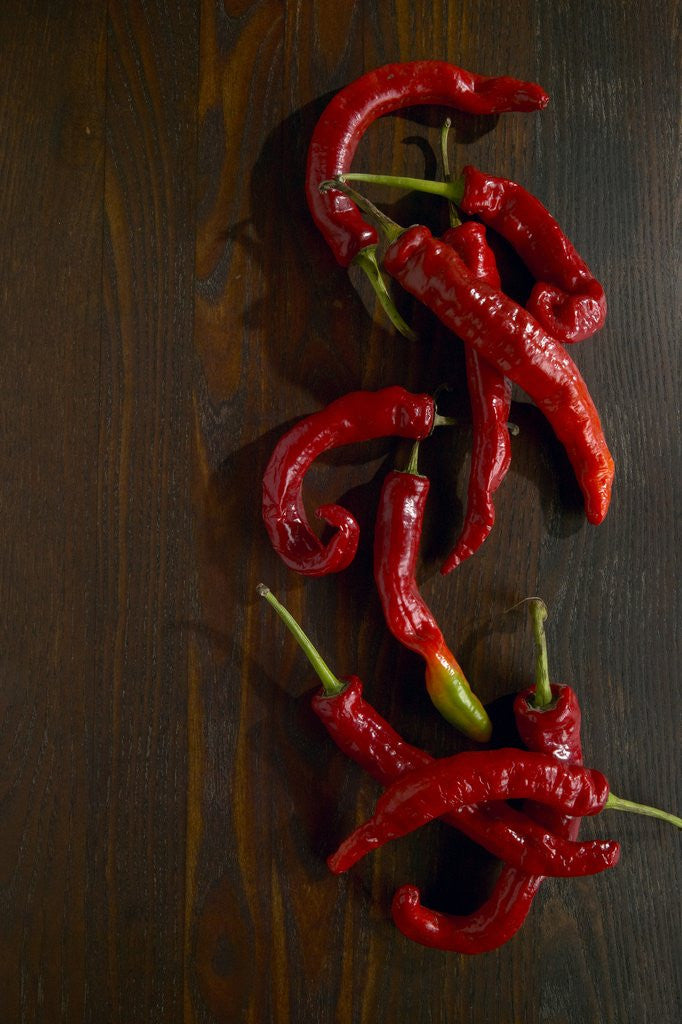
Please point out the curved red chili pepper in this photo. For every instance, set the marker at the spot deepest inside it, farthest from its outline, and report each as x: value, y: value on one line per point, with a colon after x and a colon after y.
x: 504, y: 334
x: 554, y: 731
x: 488, y: 928
x: 379, y: 92
x: 368, y: 739
x: 358, y: 416
x: 471, y: 778
x: 490, y: 397
x: 396, y: 544
x: 567, y: 299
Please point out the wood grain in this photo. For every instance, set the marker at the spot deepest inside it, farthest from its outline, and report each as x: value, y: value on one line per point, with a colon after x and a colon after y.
x: 168, y: 797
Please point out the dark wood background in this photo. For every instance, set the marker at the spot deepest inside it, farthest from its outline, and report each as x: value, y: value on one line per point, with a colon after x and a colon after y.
x: 168, y: 308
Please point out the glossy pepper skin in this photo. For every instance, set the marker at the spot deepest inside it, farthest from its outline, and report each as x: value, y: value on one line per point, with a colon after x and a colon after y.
x: 472, y: 777
x: 554, y: 731
x: 382, y: 91
x: 505, y: 334
x: 361, y: 733
x: 566, y: 299
x: 358, y: 416
x: 397, y: 535
x: 490, y: 398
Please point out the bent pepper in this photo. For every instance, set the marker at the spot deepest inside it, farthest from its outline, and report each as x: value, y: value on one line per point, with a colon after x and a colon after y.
x: 397, y: 535
x: 358, y: 416
x: 366, y: 737
x: 352, y: 110
x: 508, y: 337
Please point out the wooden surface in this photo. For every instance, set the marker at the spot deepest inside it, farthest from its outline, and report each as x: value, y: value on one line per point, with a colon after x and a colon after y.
x: 168, y: 308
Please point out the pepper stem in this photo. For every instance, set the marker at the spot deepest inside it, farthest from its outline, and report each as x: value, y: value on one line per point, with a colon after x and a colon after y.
x: 389, y: 227
x: 444, y: 133
x: 366, y: 259
x: 543, y: 689
x: 412, y: 466
x: 330, y: 684
x: 617, y: 803
x: 452, y: 190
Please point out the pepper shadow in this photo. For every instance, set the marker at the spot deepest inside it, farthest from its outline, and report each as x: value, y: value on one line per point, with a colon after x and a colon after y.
x: 312, y: 775
x: 542, y: 460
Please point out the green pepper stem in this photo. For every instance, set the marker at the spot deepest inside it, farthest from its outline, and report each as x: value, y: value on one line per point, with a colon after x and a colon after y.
x: 617, y: 803
x: 366, y: 259
x: 452, y: 190
x: 444, y: 133
x: 543, y: 689
x: 391, y: 230
x: 330, y: 684
x: 412, y: 466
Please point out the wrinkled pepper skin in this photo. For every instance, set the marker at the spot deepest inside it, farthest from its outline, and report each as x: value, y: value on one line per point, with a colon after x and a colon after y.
x: 554, y: 731
x: 468, y: 778
x: 358, y: 416
x: 566, y: 299
x: 397, y: 535
x: 490, y: 398
x: 382, y: 91
x: 505, y: 334
x: 364, y: 736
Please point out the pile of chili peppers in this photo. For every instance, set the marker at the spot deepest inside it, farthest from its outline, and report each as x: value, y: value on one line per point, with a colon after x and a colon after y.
x: 456, y: 277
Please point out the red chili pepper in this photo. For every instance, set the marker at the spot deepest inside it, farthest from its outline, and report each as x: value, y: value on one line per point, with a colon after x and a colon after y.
x: 508, y: 337
x: 569, y: 303
x: 555, y: 731
x: 382, y: 91
x: 548, y: 719
x: 353, y: 109
x: 567, y: 299
x: 490, y: 397
x: 504, y: 334
x: 472, y: 777
x: 358, y: 416
x: 367, y: 738
x: 363, y: 735
x: 396, y: 544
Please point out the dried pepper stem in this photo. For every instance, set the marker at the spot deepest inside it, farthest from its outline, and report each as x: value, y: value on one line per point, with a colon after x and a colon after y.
x: 543, y: 689
x: 618, y: 803
x: 330, y: 683
x: 452, y: 190
x: 444, y: 133
x: 366, y: 260
x: 413, y: 462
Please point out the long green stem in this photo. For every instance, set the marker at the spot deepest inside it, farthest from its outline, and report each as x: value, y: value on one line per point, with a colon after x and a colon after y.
x: 366, y: 259
x: 330, y: 684
x: 444, y: 134
x: 617, y: 803
x: 452, y: 190
x: 543, y: 688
